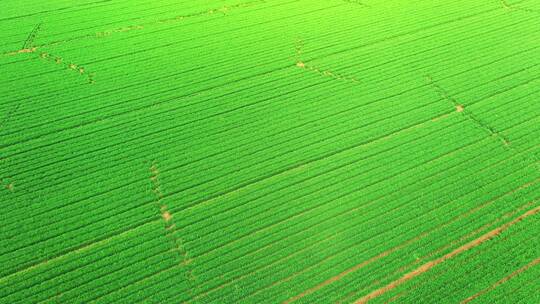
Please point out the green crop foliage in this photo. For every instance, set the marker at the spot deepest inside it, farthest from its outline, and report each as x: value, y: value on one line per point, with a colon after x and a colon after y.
x: 269, y: 151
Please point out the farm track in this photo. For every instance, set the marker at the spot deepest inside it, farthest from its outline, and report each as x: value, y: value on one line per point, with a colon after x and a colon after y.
x: 269, y: 151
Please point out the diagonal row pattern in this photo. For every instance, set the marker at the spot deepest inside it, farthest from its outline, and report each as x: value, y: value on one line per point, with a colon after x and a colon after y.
x: 269, y: 151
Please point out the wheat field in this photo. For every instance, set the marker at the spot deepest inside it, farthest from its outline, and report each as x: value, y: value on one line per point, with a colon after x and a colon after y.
x: 270, y: 151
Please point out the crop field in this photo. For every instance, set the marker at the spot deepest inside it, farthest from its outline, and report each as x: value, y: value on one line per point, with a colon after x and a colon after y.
x: 269, y: 151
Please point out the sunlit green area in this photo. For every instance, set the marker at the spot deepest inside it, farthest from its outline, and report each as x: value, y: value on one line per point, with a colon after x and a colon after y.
x: 269, y: 151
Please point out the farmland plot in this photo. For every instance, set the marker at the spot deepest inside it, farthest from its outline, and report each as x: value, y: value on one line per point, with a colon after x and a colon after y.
x: 269, y: 151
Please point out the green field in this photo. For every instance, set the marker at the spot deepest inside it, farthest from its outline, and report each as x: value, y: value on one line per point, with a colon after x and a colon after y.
x: 269, y: 151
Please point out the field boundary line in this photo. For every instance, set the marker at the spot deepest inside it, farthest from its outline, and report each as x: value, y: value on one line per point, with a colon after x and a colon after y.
x: 454, y: 242
x: 483, y: 139
x: 405, y: 56
x: 499, y: 92
x: 472, y: 117
x: 412, y: 240
x: 461, y: 109
x: 77, y: 249
x: 427, y: 266
x: 235, y: 109
x: 513, y: 7
x: 466, y: 260
x: 503, y: 280
x: 357, y: 2
x: 68, y: 66
x: 351, y: 210
x: 322, y: 72
x: 128, y: 28
x: 29, y: 47
x: 200, y: 159
x: 29, y: 42
x: 282, y: 68
x: 170, y: 227
x: 113, y: 235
